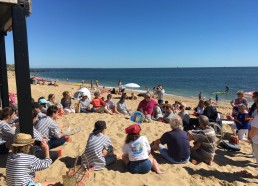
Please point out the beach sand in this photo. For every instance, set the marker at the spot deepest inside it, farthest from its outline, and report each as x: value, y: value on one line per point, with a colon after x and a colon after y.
x: 225, y: 169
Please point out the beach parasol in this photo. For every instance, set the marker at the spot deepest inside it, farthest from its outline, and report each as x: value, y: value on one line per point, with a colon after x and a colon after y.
x: 249, y: 94
x: 132, y: 85
x: 79, y: 92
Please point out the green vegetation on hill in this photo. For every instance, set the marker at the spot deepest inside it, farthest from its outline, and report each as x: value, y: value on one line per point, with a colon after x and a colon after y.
x: 10, y: 67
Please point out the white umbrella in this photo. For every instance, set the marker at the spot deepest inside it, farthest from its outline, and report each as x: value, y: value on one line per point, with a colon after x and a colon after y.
x: 122, y: 87
x: 81, y: 91
x: 132, y: 85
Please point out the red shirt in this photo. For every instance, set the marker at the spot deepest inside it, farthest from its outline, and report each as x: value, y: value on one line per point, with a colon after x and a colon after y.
x: 97, y: 102
x: 147, y: 107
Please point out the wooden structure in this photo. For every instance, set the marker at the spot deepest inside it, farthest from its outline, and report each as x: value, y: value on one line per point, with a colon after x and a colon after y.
x: 13, y: 15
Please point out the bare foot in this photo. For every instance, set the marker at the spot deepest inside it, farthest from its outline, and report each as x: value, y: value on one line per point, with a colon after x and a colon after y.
x: 194, y: 162
x: 160, y: 172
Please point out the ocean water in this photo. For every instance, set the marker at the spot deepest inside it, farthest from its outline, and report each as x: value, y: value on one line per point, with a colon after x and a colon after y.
x: 176, y: 81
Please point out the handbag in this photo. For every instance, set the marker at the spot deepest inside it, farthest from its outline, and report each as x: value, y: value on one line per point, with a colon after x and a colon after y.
x: 79, y: 175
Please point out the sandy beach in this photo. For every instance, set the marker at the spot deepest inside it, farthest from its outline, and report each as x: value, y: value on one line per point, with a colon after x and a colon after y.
x: 225, y: 170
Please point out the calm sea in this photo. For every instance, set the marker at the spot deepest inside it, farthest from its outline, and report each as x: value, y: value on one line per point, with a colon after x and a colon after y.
x: 177, y: 81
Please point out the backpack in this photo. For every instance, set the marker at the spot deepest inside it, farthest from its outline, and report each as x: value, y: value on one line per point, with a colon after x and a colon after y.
x: 229, y: 146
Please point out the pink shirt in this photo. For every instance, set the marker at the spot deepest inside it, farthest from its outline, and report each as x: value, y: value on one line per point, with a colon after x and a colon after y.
x: 147, y: 107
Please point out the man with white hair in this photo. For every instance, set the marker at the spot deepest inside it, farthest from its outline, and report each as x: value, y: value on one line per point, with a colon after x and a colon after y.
x: 204, y: 142
x: 178, y: 147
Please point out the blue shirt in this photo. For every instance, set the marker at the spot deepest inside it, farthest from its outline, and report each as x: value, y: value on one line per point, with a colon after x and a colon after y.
x: 178, y: 144
x: 241, y: 118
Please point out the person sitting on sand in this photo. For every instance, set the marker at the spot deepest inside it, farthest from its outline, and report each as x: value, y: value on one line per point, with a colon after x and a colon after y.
x: 43, y: 102
x: 84, y: 104
x: 200, y: 108
x: 38, y: 151
x: 48, y: 127
x: 204, y: 142
x: 210, y: 111
x: 21, y: 166
x: 111, y: 104
x: 122, y: 107
x: 99, y: 150
x: 158, y: 116
x: 178, y: 147
x: 6, y: 132
x: 168, y: 115
x: 136, y: 151
x: 132, y: 97
x: 176, y: 106
x: 241, y: 124
x: 184, y: 115
x: 52, y: 101
x: 146, y: 106
x: 66, y: 102
x: 36, y: 108
x: 99, y: 105
x: 53, y: 84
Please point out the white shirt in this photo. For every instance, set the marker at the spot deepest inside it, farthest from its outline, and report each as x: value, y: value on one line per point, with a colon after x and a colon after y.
x: 254, y: 123
x: 137, y: 150
x: 160, y: 94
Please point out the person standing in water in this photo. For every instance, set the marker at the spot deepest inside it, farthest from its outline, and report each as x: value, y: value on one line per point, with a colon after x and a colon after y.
x: 200, y: 95
x: 217, y: 98
x: 227, y: 89
x: 97, y: 83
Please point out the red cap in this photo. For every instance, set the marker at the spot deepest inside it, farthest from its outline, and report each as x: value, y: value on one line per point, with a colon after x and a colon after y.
x: 135, y: 128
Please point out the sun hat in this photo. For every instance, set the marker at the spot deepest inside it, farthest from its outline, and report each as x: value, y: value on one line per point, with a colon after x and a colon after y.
x: 99, y: 127
x: 135, y: 129
x: 36, y: 105
x: 43, y: 101
x: 22, y: 139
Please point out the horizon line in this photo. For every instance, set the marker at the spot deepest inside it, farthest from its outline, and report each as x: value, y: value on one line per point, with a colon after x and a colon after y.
x: 136, y: 67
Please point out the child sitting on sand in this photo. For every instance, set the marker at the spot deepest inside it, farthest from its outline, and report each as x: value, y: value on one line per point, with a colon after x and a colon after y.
x: 21, y: 167
x: 137, y: 152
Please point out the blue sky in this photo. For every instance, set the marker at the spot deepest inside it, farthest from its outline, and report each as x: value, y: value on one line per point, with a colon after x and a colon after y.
x: 141, y: 33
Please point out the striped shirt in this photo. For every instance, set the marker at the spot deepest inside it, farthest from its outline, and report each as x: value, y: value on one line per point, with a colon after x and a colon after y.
x: 21, y: 168
x: 207, y: 139
x: 36, y: 134
x: 92, y: 155
x: 6, y: 132
x: 48, y: 127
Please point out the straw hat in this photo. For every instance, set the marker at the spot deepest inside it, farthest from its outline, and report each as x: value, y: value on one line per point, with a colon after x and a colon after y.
x: 22, y: 139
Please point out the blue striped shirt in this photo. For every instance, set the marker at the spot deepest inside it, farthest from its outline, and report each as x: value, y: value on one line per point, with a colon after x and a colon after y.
x: 92, y: 155
x: 48, y: 127
x: 21, y: 168
x: 6, y: 132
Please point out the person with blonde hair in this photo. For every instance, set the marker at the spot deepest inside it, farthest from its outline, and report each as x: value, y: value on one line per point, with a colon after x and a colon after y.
x: 21, y: 166
x: 178, y: 147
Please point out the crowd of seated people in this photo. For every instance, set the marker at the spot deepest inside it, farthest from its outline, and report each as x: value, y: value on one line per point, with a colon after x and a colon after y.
x: 99, y: 151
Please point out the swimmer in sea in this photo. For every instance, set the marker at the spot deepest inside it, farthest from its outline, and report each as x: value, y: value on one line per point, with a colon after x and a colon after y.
x: 227, y: 89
